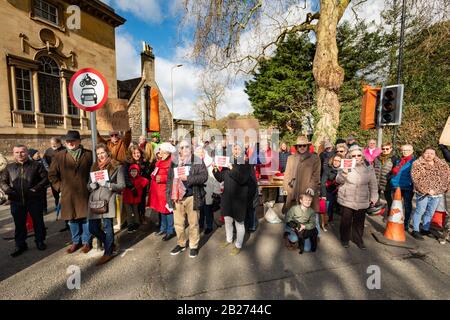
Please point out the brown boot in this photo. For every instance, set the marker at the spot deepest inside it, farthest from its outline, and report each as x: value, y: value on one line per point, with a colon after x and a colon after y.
x: 103, y: 260
x: 86, y: 248
x: 290, y: 245
x: 74, y: 247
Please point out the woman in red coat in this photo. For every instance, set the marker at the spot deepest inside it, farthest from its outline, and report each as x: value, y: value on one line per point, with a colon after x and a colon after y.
x: 157, y: 196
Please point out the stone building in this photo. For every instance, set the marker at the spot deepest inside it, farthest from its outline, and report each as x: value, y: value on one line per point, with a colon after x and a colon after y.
x: 134, y: 89
x: 38, y: 56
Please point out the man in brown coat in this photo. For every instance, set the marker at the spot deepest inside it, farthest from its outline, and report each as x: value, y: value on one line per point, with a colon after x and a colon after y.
x: 117, y: 145
x: 69, y: 175
x: 302, y: 175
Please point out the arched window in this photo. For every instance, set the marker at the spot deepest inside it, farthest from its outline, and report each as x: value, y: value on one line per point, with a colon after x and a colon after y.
x: 49, y: 86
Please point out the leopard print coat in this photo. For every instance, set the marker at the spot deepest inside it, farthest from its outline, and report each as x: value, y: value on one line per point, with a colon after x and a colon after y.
x: 427, y: 178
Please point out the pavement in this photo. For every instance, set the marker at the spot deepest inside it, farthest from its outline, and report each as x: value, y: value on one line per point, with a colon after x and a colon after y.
x: 265, y: 269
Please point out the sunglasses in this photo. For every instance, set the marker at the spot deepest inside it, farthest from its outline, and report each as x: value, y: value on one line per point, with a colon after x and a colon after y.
x: 113, y: 135
x: 385, y: 149
x: 302, y: 145
x: 340, y: 151
x: 356, y: 155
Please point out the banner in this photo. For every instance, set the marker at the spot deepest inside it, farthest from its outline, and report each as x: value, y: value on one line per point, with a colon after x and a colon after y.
x: 153, y: 125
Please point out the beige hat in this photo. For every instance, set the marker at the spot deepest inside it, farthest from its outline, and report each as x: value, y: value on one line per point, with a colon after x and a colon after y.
x: 328, y: 144
x: 302, y: 140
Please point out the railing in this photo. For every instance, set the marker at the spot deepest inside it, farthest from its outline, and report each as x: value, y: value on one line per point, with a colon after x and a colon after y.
x: 24, y: 119
x: 52, y: 120
x: 74, y: 122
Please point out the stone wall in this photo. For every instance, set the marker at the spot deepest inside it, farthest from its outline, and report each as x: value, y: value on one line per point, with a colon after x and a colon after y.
x: 38, y: 142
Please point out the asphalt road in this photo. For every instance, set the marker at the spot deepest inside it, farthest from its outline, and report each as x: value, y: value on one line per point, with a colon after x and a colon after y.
x: 264, y: 269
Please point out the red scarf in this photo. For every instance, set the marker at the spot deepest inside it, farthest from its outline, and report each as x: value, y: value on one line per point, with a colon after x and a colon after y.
x: 398, y: 167
x: 103, y: 164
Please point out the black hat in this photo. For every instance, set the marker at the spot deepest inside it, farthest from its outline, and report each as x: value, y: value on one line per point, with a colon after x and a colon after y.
x: 72, y: 135
x: 32, y: 152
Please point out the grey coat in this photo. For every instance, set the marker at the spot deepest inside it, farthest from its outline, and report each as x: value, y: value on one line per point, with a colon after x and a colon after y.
x: 359, y: 188
x: 117, y: 184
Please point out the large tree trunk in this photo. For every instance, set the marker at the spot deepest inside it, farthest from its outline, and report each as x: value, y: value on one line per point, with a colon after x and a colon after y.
x: 328, y: 75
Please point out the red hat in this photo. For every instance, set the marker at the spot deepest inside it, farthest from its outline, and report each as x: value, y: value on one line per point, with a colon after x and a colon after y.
x: 136, y: 167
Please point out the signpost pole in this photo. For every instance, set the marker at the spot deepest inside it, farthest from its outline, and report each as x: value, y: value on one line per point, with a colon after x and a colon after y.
x: 94, y: 134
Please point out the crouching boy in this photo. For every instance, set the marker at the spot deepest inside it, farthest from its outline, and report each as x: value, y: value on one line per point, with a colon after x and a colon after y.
x: 301, y: 225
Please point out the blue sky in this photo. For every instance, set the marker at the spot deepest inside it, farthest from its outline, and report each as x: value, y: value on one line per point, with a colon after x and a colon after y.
x: 157, y: 23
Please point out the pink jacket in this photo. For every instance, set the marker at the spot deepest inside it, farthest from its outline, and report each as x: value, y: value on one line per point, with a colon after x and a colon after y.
x: 371, y: 157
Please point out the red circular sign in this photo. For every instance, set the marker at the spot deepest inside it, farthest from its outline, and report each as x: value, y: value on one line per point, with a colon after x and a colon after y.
x: 88, y: 89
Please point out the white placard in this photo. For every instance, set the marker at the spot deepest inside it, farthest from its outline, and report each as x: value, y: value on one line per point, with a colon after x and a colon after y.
x: 181, y: 171
x: 221, y: 161
x: 348, y: 163
x: 101, y: 175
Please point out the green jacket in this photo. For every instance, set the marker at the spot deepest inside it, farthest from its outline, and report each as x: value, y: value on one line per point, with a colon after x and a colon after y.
x: 308, y: 217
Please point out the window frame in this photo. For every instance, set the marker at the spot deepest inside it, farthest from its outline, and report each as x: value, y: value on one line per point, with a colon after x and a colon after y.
x: 40, y: 17
x: 20, y: 91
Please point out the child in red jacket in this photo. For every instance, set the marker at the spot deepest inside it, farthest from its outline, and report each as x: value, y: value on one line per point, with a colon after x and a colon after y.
x: 132, y: 197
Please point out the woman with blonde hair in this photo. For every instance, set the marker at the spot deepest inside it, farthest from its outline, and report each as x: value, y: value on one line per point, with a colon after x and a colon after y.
x: 136, y: 155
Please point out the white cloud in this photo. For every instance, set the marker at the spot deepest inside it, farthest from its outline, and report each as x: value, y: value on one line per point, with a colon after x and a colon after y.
x: 127, y: 57
x: 145, y: 10
x: 368, y: 11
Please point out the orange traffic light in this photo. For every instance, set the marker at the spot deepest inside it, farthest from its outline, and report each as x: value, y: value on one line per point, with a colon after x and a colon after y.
x: 369, y: 107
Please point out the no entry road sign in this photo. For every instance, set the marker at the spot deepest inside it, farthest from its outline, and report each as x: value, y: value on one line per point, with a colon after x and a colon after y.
x: 88, y: 89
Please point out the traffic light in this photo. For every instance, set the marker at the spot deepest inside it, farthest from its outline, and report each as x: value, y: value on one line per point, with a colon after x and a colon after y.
x: 390, y: 108
x: 370, y: 102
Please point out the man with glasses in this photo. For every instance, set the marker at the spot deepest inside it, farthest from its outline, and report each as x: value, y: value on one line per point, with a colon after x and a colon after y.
x: 341, y: 149
x: 383, y: 165
x: 186, y: 195
x: 69, y: 175
x: 116, y: 144
x: 302, y: 175
x: 401, y: 178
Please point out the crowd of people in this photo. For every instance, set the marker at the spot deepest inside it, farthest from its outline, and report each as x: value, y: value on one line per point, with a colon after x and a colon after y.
x: 182, y: 185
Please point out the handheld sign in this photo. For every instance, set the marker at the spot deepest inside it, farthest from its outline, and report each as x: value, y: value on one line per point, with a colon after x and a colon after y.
x: 88, y: 89
x: 348, y: 164
x: 101, y: 175
x: 445, y: 136
x: 222, y: 161
x: 181, y: 171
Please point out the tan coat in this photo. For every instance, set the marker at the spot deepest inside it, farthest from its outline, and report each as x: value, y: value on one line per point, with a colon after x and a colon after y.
x: 119, y: 149
x: 300, y: 175
x: 71, y: 179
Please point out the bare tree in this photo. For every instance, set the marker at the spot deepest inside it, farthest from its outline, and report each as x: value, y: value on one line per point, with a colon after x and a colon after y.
x: 213, y: 89
x: 222, y: 29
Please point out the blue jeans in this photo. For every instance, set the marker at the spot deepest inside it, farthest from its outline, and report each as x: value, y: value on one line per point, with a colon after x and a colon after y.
x: 292, y: 236
x: 167, y: 223
x: 106, y: 236
x: 407, y: 196
x: 80, y: 231
x: 425, y: 207
x: 206, y: 215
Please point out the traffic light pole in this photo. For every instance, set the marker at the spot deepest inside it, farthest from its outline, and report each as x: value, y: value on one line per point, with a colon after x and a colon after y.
x: 400, y: 63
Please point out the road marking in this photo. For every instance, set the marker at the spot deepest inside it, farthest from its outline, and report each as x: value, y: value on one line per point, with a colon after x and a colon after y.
x: 126, y: 250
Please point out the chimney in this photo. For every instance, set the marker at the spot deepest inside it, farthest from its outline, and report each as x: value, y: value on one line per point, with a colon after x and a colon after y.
x: 147, y: 62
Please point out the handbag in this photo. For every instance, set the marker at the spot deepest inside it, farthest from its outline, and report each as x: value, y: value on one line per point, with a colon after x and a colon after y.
x: 98, y: 206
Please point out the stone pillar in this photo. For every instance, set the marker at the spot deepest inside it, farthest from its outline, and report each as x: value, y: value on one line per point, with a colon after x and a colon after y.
x: 65, y: 105
x: 37, y: 108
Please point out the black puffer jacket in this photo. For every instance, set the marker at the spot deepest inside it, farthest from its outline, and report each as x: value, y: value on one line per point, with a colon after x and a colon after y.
x: 24, y: 182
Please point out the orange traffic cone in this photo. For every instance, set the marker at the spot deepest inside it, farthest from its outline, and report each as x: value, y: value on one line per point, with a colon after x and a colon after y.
x: 395, y: 228
x: 29, y: 223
